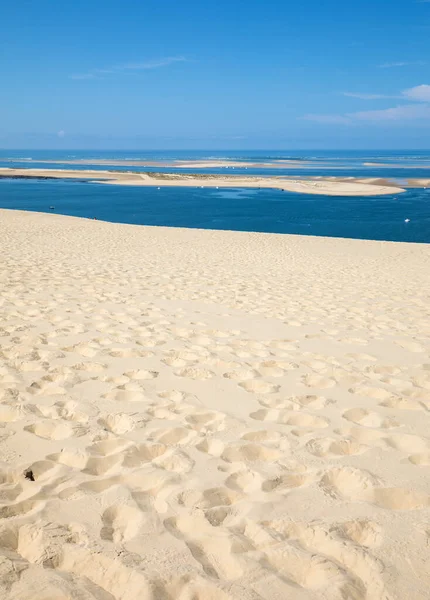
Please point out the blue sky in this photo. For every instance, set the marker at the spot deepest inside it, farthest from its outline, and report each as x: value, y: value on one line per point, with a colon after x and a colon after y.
x: 222, y: 74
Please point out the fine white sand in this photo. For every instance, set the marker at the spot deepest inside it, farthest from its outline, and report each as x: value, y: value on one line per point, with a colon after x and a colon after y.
x: 326, y: 187
x: 207, y: 415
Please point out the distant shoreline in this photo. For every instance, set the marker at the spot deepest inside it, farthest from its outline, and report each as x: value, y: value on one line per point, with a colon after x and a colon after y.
x: 177, y: 164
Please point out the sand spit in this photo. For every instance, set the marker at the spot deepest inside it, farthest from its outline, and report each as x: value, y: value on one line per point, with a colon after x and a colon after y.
x: 209, y: 415
x: 178, y: 164
x: 396, y: 165
x: 304, y: 186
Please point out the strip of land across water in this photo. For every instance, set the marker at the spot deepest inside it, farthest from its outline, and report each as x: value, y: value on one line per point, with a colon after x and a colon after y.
x: 329, y: 186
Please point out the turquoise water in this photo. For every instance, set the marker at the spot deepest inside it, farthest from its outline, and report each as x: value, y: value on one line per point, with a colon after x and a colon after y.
x: 402, y: 164
x: 377, y: 218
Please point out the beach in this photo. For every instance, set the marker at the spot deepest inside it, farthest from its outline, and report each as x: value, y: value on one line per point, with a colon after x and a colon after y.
x: 326, y: 187
x: 211, y: 415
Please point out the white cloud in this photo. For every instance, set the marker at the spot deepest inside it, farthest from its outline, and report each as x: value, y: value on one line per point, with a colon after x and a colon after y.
x: 421, y: 93
x: 152, y: 64
x: 366, y: 96
x: 418, y: 111
x: 333, y: 119
x: 140, y: 66
x: 402, y: 63
x: 83, y: 76
x: 407, y: 112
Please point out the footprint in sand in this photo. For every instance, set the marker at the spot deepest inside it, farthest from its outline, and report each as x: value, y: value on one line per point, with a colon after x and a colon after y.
x: 54, y: 430
x: 175, y: 436
x: 403, y: 404
x: 312, y: 401
x: 421, y: 460
x: 206, y: 421
x: 245, y: 480
x: 209, y: 498
x: 272, y: 368
x: 407, y: 443
x: 91, y: 367
x: 335, y: 448
x: 292, y: 418
x: 250, y: 453
x: 284, y: 483
x: 241, y: 374
x: 377, y: 393
x: 87, y: 350
x: 358, y: 486
x: 369, y: 418
x: 121, y: 523
x: 73, y: 458
x: 141, y: 374
x: 195, y: 373
x: 362, y: 532
x: 348, y: 483
x: 143, y: 453
x: 47, y: 388
x: 211, y: 446
x: 263, y: 436
x: 122, y: 395
x: 176, y: 462
x: 318, y: 381
x: 257, y: 386
x: 118, y: 423
x: 358, y: 357
x: 410, y: 345
x: 306, y: 570
x: 109, y: 446
x: 217, y: 550
x: 103, y: 465
x: 173, y: 395
x: 10, y: 413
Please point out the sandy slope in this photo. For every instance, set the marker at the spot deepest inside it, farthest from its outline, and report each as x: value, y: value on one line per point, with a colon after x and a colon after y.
x: 211, y: 415
x: 305, y: 186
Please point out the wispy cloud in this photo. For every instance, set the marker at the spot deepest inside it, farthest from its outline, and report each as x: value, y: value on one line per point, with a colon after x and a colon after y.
x: 417, y: 108
x: 406, y: 112
x: 83, y: 76
x: 402, y: 63
x: 134, y: 66
x: 420, y: 93
x: 328, y: 119
x: 152, y: 64
x: 367, y: 96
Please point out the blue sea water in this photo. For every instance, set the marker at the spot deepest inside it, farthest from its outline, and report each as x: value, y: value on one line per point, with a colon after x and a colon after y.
x: 378, y: 218
x: 398, y: 164
x: 265, y: 210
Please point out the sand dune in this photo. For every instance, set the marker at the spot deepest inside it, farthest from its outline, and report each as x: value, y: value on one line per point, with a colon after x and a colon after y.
x: 211, y: 415
x: 326, y: 187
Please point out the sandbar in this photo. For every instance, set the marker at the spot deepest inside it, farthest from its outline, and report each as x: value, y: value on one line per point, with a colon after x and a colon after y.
x: 305, y: 186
